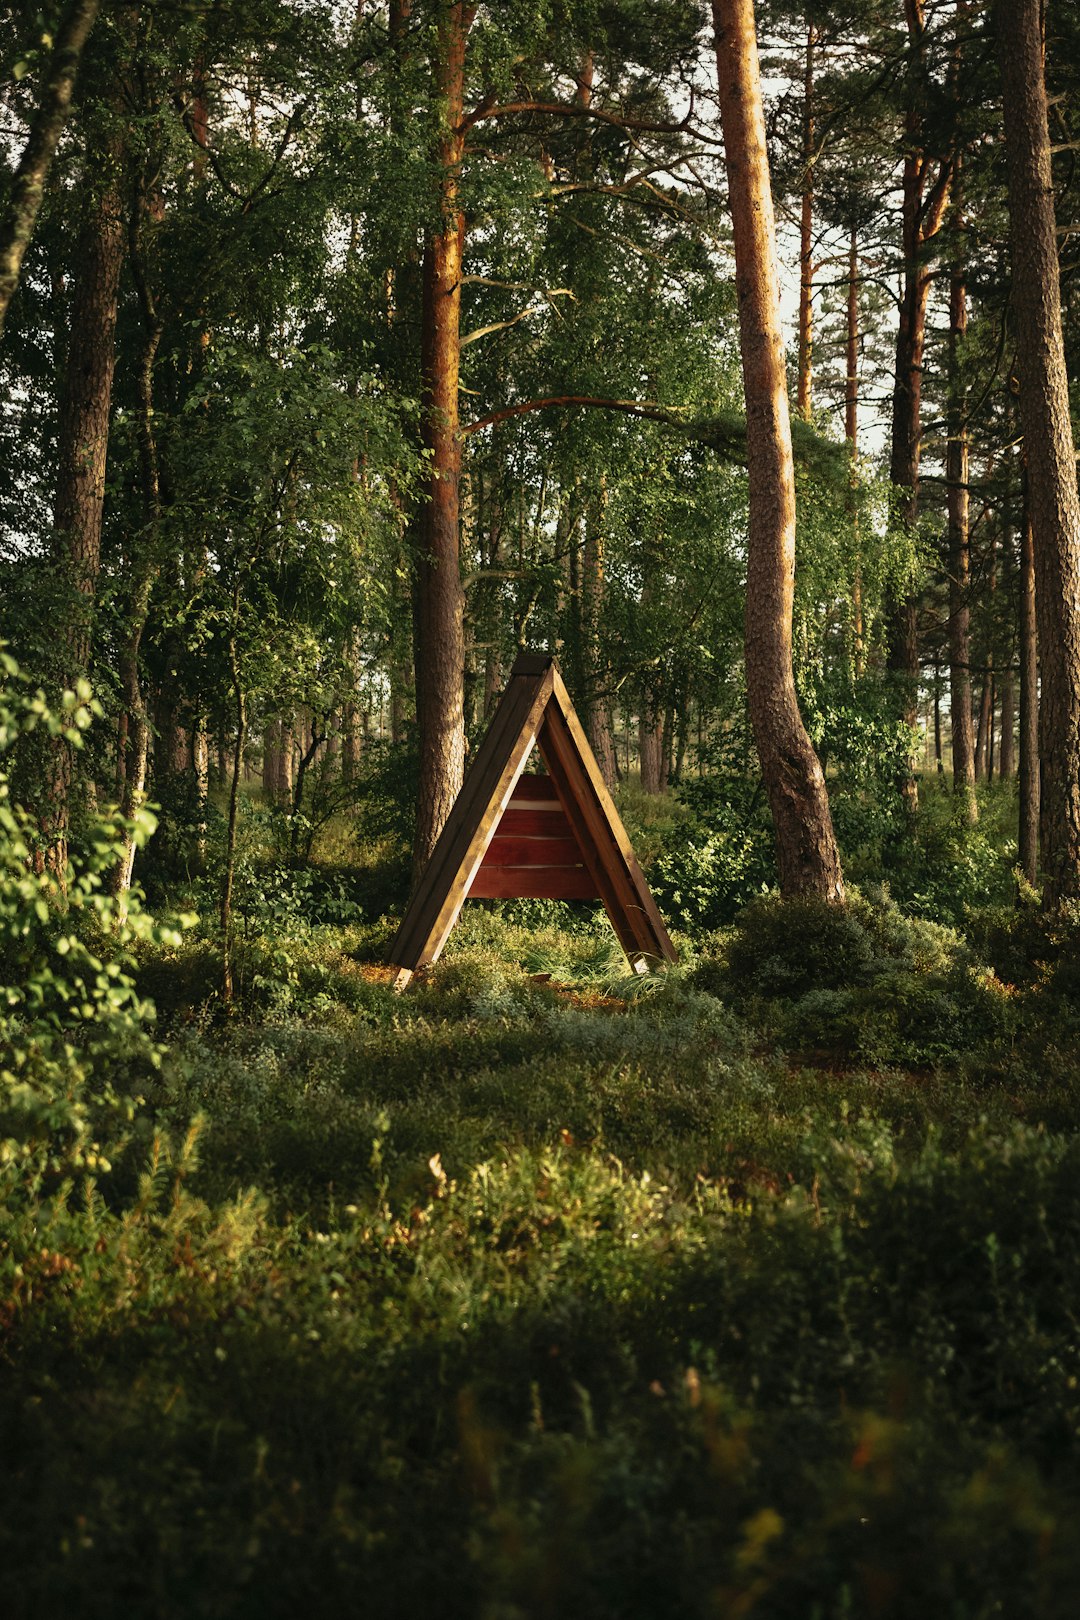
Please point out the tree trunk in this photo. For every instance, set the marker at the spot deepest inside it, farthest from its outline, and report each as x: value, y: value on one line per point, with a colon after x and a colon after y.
x: 277, y: 773
x: 807, y: 856
x: 851, y: 433
x: 440, y: 647
x: 651, y: 747
x: 803, y: 399
x: 1028, y: 851
x: 1048, y: 442
x: 957, y: 472
x: 82, y: 447
x: 228, y: 876
x: 134, y: 760
x: 984, y: 746
x: 1007, y: 684
x: 350, y: 744
x: 922, y: 215
x: 598, y: 720
x: 1007, y: 757
x: 271, y: 744
x: 28, y: 181
x: 200, y: 760
x: 982, y: 735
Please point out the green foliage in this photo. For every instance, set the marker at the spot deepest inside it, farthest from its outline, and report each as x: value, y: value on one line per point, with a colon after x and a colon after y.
x: 708, y: 872
x: 949, y: 868
x: 623, y: 1313
x: 864, y: 979
x: 74, y: 1035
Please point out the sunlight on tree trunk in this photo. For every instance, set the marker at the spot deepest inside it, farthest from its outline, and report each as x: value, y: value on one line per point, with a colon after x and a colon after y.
x: 807, y: 855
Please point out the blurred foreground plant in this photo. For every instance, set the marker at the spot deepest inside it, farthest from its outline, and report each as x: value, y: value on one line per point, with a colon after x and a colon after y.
x: 74, y: 1033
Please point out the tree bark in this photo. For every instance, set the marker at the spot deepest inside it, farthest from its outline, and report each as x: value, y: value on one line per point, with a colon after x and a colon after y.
x: 957, y: 459
x: 1007, y: 756
x: 1048, y: 442
x: 803, y: 400
x: 28, y: 183
x: 229, y: 874
x: 982, y: 735
x: 82, y: 447
x: 134, y: 760
x: 807, y: 855
x: 598, y: 714
x: 651, y: 748
x: 1007, y: 683
x: 271, y: 745
x: 440, y: 602
x: 922, y: 214
x: 851, y: 433
x: 1028, y: 851
x: 351, y: 741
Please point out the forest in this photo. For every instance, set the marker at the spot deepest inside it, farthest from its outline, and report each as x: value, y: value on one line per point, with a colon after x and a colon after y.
x: 433, y: 429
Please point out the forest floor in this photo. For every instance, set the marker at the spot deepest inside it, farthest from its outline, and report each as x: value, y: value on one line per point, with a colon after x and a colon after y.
x: 747, y: 1290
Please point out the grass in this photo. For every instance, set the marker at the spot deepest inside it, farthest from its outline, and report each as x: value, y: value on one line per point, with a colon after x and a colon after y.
x: 750, y: 1290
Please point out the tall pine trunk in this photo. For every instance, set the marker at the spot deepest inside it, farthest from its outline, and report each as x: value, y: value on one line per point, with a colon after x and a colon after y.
x: 440, y: 601
x: 851, y: 433
x: 807, y: 855
x: 1048, y: 441
x: 803, y: 398
x: 1007, y: 684
x: 957, y: 474
x: 134, y: 760
x: 1028, y: 850
x: 598, y: 723
x: 82, y: 448
x: 923, y: 209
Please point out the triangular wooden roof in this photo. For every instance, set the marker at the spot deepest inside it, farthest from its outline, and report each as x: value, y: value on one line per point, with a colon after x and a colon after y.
x: 510, y: 834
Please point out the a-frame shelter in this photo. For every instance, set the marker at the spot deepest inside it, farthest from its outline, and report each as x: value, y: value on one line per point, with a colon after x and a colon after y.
x: 513, y: 834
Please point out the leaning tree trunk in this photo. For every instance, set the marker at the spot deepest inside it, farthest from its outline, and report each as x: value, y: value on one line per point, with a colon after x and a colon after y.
x: 440, y: 602
x: 28, y: 182
x: 82, y: 447
x: 1048, y: 441
x: 807, y: 855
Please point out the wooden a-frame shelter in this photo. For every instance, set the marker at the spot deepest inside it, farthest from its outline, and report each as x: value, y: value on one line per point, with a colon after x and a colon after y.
x: 514, y: 835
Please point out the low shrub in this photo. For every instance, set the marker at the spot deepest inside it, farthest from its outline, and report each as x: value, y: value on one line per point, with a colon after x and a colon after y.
x: 75, y: 1035
x: 861, y: 980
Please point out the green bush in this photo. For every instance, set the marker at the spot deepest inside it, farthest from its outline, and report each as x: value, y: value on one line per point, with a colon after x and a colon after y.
x: 861, y: 979
x: 74, y: 1034
x: 707, y: 870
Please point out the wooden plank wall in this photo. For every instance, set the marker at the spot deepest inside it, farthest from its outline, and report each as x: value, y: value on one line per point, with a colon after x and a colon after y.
x: 533, y: 854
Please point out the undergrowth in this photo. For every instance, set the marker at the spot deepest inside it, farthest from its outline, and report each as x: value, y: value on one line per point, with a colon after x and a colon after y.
x: 745, y: 1289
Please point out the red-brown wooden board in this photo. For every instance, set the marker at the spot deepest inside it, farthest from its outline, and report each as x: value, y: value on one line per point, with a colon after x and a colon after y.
x: 531, y: 786
x: 532, y: 883
x: 532, y: 852
x: 534, y: 823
